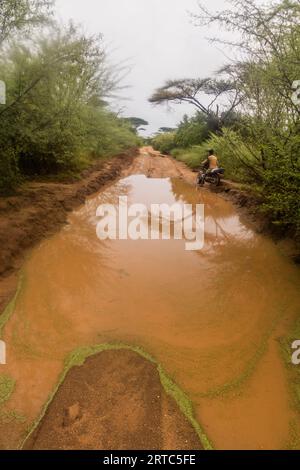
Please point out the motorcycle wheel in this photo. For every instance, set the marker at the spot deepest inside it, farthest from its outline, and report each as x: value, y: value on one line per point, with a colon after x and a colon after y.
x: 200, y: 181
x: 215, y: 179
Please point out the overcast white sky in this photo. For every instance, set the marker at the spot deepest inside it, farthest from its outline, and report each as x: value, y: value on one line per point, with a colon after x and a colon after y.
x: 158, y: 39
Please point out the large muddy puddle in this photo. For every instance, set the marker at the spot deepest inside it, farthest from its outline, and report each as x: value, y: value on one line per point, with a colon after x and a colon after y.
x: 212, y: 318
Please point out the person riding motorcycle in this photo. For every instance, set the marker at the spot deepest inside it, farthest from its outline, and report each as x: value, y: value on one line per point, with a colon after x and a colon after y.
x: 208, y: 165
x: 211, y: 162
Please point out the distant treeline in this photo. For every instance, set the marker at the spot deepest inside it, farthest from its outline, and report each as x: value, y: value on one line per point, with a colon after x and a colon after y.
x: 56, y: 118
x: 252, y: 120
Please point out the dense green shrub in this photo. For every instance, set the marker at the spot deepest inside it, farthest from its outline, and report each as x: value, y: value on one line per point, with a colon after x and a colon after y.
x: 9, y: 172
x: 230, y: 148
x: 164, y: 142
x: 192, y: 156
x: 55, y: 119
x: 192, y: 131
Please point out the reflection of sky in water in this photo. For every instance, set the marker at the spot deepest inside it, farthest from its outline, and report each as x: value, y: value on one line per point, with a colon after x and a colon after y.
x: 231, y: 226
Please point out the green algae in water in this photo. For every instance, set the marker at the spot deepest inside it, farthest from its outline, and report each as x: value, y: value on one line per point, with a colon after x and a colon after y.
x: 7, y: 386
x: 8, y: 311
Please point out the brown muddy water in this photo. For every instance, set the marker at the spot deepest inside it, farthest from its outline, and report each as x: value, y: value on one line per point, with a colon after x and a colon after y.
x: 212, y: 318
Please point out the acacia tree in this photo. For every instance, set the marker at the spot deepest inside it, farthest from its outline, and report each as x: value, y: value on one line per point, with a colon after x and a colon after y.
x: 223, y: 96
x: 166, y: 129
x: 137, y: 123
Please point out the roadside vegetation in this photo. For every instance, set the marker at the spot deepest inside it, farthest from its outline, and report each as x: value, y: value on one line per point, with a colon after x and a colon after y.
x: 57, y: 118
x: 249, y: 112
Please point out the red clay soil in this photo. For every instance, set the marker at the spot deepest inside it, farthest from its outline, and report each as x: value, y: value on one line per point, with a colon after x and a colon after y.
x: 115, y: 401
x: 41, y: 208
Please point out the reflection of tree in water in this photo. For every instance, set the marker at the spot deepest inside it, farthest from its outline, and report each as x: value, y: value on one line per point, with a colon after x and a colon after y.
x: 81, y: 233
x: 222, y: 224
x: 188, y: 194
x: 111, y: 194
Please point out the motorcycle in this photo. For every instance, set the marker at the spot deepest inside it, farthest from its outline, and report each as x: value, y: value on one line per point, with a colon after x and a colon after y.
x: 210, y: 176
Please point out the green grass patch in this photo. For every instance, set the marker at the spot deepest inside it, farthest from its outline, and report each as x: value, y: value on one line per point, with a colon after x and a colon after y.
x: 7, y: 383
x: 293, y: 443
x: 7, y: 386
x: 9, y: 309
x: 293, y: 370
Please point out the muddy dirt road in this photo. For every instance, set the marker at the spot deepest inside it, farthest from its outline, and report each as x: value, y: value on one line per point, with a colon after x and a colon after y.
x: 211, y: 318
x: 39, y: 209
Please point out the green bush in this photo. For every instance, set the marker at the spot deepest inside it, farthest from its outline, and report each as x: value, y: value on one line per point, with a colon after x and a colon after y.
x: 233, y: 154
x: 56, y: 119
x: 281, y: 182
x: 192, y: 131
x: 230, y: 149
x: 192, y: 156
x: 9, y: 172
x: 164, y: 142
